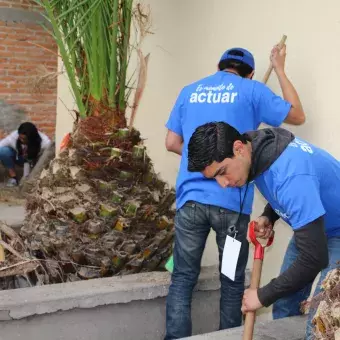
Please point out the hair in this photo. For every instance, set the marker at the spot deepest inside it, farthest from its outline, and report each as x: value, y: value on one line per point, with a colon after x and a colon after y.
x: 241, y: 68
x: 212, y: 142
x: 33, y: 140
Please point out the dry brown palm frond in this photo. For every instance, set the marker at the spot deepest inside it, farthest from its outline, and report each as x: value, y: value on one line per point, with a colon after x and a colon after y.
x: 10, y: 233
x: 326, y: 306
x: 43, y: 80
x: 20, y: 268
x: 143, y: 21
x: 11, y: 249
x: 140, y: 86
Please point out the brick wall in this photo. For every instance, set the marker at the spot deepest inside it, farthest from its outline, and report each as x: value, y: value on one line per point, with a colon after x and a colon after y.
x: 24, y: 4
x: 27, y: 54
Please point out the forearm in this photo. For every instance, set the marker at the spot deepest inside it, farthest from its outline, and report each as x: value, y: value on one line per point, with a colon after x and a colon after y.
x: 311, y: 243
x: 174, y: 142
x: 270, y: 214
x: 288, y: 90
x: 177, y: 149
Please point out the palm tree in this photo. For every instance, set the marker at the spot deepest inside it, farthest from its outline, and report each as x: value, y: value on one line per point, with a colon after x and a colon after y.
x: 99, y: 209
x: 325, y: 306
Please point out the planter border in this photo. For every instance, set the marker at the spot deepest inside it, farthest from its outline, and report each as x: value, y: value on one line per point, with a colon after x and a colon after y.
x: 25, y: 302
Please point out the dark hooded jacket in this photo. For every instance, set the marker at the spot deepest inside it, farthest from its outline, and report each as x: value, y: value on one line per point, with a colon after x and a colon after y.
x: 311, y: 241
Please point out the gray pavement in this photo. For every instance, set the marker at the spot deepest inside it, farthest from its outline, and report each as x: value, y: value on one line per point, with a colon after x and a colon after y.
x: 292, y: 328
x: 12, y: 214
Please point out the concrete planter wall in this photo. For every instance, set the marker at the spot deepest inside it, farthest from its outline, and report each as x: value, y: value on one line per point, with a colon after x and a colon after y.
x: 120, y: 308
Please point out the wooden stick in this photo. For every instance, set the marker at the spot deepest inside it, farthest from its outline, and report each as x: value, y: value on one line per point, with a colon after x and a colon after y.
x: 270, y: 68
x: 2, y: 251
x: 250, y: 316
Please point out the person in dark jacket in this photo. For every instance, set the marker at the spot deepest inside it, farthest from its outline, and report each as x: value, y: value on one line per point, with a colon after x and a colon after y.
x: 301, y: 183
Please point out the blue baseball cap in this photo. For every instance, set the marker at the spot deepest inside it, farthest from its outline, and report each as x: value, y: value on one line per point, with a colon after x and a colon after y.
x: 241, y: 54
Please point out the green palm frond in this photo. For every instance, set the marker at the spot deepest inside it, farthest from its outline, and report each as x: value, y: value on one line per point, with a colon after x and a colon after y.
x: 93, y: 39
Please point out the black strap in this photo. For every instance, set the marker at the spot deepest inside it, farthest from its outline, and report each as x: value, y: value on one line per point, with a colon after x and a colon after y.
x: 236, y: 226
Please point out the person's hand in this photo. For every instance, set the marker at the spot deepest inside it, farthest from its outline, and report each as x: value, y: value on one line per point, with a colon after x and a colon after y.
x: 278, y: 58
x: 250, y: 301
x: 263, y: 227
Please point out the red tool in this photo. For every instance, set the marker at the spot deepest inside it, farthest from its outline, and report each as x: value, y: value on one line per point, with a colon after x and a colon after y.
x: 255, y: 276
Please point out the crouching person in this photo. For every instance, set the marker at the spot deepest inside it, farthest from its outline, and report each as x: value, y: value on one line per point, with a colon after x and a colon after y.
x: 301, y: 183
x: 22, y: 147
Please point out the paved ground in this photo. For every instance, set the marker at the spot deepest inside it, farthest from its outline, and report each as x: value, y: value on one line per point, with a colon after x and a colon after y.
x: 12, y: 213
x: 285, y: 329
x: 12, y: 204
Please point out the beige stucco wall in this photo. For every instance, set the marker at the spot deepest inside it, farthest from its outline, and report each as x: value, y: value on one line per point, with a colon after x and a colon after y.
x: 65, y: 106
x: 189, y: 37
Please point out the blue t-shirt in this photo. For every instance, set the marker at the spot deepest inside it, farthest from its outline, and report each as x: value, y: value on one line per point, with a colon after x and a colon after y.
x: 302, y: 185
x: 240, y: 102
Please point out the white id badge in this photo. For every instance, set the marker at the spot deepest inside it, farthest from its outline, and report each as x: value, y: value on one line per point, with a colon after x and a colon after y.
x: 230, y: 256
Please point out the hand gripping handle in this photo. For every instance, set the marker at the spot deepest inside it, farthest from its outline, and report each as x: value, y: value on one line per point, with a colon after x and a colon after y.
x: 259, y: 248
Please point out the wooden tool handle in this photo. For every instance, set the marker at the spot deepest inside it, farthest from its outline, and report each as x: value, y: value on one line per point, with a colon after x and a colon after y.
x: 270, y: 68
x: 250, y: 316
x: 2, y: 252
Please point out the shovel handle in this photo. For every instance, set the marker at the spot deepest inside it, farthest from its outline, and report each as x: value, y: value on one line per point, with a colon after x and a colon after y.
x: 251, y: 316
x: 255, y: 277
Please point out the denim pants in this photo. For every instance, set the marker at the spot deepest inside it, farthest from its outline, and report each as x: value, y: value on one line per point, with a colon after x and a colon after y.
x: 192, y: 226
x: 290, y: 305
x: 8, y: 157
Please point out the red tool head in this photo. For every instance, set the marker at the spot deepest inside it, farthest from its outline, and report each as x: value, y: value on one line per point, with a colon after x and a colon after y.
x: 259, y: 248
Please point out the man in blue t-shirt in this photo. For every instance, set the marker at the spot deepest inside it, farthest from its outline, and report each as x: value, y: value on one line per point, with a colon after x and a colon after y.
x: 229, y: 95
x: 302, y: 186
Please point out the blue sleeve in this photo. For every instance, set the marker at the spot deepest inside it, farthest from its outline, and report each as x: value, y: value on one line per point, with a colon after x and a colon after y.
x: 269, y: 107
x: 174, y: 122
x: 299, y: 198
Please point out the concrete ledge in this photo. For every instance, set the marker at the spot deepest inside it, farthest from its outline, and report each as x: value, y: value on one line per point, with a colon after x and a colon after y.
x: 292, y: 328
x: 129, y: 307
x: 21, y: 303
x: 136, y: 320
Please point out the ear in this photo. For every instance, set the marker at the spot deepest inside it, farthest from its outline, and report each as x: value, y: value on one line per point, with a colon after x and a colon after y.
x: 251, y: 75
x: 238, y: 148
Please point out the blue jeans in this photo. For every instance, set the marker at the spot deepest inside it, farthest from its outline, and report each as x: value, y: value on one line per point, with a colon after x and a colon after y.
x: 8, y: 157
x: 290, y: 305
x: 192, y: 226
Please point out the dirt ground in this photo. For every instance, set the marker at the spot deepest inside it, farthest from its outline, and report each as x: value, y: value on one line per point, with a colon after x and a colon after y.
x: 11, y: 195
